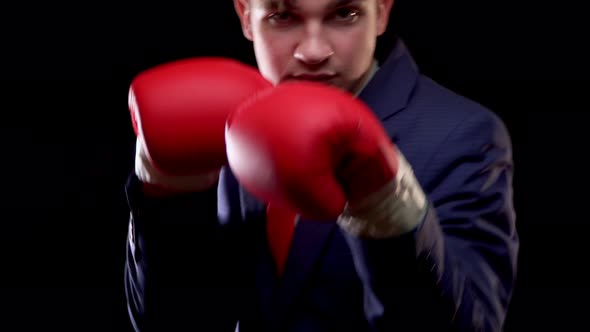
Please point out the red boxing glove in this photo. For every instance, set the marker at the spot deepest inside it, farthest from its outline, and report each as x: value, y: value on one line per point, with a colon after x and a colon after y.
x: 319, y: 151
x: 179, y: 111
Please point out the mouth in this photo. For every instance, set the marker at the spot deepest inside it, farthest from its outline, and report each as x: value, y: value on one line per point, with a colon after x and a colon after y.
x: 321, y: 78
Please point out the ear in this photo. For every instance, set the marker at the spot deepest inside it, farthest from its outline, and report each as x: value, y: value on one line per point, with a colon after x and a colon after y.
x: 242, y: 8
x: 383, y: 10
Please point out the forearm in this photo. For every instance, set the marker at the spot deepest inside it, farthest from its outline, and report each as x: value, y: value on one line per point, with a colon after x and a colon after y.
x: 180, y: 266
x: 424, y: 280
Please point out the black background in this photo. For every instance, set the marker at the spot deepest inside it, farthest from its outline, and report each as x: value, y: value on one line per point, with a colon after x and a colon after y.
x: 67, y: 139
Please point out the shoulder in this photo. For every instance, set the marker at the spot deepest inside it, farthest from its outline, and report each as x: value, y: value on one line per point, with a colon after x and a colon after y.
x: 440, y: 114
x: 462, y: 118
x: 449, y: 108
x: 441, y: 127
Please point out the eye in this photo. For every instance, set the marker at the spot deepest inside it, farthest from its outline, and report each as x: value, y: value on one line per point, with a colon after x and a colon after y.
x: 280, y: 18
x: 346, y: 15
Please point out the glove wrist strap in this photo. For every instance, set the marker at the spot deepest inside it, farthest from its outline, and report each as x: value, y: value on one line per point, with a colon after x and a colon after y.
x: 397, y: 208
x: 148, y: 173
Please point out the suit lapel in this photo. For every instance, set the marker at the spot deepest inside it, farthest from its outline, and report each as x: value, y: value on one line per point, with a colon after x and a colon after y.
x: 392, y: 85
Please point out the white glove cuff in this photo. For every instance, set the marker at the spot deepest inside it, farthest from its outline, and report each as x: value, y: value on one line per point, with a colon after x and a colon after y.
x: 395, y: 209
x: 147, y: 173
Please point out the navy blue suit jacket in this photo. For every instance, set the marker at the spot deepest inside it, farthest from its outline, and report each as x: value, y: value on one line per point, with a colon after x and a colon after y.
x: 200, y: 261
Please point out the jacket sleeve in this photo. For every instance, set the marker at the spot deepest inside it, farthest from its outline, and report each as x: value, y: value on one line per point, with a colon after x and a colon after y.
x: 456, y: 271
x: 181, y: 265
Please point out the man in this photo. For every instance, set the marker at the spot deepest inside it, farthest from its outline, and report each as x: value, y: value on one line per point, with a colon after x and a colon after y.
x: 389, y: 212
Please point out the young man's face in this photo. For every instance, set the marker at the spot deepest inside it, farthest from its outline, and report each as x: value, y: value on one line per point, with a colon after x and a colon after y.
x: 331, y: 41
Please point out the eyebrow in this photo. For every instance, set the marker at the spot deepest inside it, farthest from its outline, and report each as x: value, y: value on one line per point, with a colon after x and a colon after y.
x: 280, y: 5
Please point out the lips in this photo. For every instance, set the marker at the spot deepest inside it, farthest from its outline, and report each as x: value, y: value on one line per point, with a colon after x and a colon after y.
x: 322, y: 77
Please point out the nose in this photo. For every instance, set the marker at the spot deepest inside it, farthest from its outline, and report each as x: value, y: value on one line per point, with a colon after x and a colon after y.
x: 314, y: 48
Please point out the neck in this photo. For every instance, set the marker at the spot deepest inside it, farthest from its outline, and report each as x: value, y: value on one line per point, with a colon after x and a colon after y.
x: 365, y: 79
